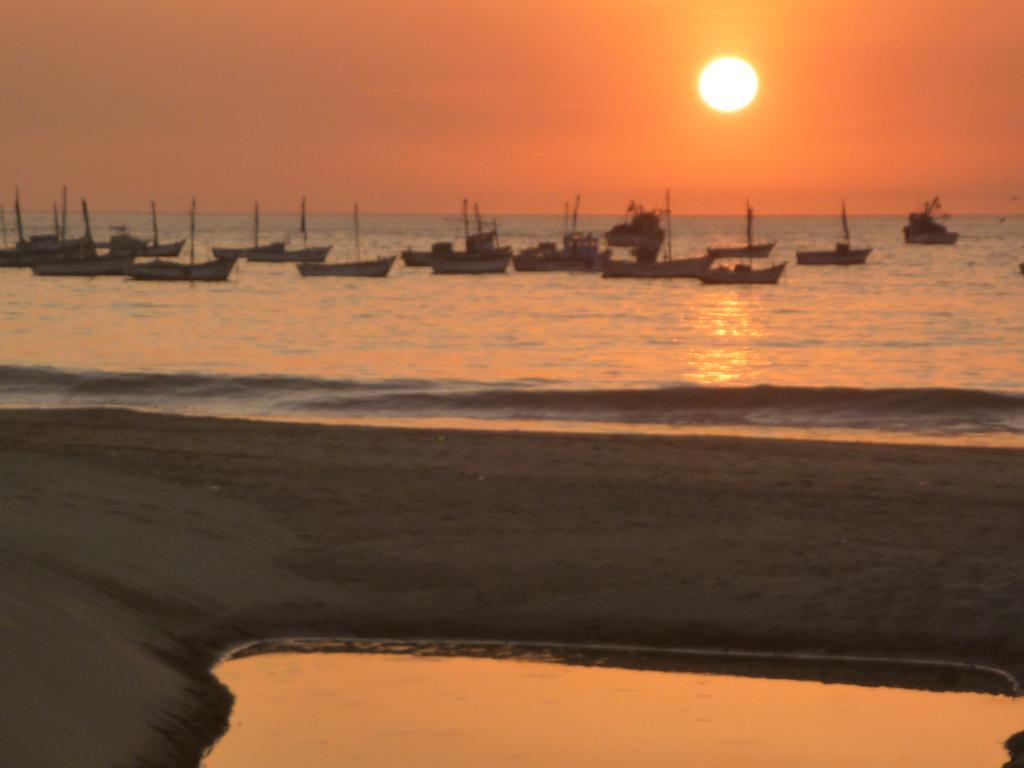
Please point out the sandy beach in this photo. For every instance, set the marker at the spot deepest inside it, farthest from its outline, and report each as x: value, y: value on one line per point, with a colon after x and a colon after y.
x: 137, y: 548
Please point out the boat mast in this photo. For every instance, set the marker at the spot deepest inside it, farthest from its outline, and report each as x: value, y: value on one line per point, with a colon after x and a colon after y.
x: 3, y: 225
x: 479, y: 223
x: 750, y: 225
x: 88, y: 226
x: 302, y: 223
x: 192, y: 238
x: 846, y: 226
x: 17, y: 215
x: 575, y: 213
x: 156, y: 234
x: 565, y: 219
x: 465, y: 218
x: 355, y: 217
x: 64, y: 213
x: 256, y: 225
x: 56, y: 222
x: 668, y: 217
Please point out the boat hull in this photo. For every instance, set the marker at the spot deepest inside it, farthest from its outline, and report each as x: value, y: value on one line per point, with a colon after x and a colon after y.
x: 931, y: 238
x: 658, y: 269
x: 208, y: 271
x: 378, y: 268
x: 839, y: 256
x: 244, y: 253
x: 1022, y: 267
x: 164, y: 251
x: 724, y: 276
x: 754, y: 251
x: 301, y: 255
x: 115, y: 264
x: 560, y: 262
x: 471, y: 265
x: 417, y: 258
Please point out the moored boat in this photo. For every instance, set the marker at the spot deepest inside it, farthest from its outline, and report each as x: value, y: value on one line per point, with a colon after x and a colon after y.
x: 641, y: 231
x: 95, y: 266
x: 741, y: 273
x: 752, y: 249
x: 215, y: 270
x: 923, y: 229
x: 580, y: 252
x: 256, y: 249
x: 414, y: 258
x: 842, y: 254
x: 667, y: 268
x: 317, y: 253
x: 483, y: 254
x: 358, y: 268
x: 39, y: 248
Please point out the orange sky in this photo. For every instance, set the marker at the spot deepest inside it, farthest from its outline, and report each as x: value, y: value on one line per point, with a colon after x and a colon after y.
x: 409, y: 105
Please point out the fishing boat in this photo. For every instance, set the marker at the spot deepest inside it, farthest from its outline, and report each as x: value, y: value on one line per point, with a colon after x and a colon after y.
x: 741, y: 273
x: 483, y: 254
x: 580, y: 252
x: 752, y: 249
x: 641, y: 231
x: 37, y: 248
x: 305, y: 254
x: 923, y: 229
x: 257, y: 249
x: 414, y: 258
x: 160, y: 250
x: 842, y: 254
x: 86, y: 262
x: 358, y: 268
x: 214, y: 270
x: 668, y: 267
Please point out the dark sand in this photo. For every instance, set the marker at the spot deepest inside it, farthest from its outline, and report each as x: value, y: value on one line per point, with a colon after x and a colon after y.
x: 135, y: 548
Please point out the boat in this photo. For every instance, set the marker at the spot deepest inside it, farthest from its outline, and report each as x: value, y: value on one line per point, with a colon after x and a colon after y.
x: 414, y: 258
x: 483, y: 254
x: 741, y: 273
x: 214, y: 270
x: 38, y: 248
x: 641, y: 231
x: 305, y: 254
x: 358, y: 268
x: 923, y: 229
x: 752, y: 250
x: 86, y: 262
x: 1022, y: 267
x: 581, y: 252
x: 842, y: 254
x: 667, y: 267
x: 160, y: 250
x: 256, y: 249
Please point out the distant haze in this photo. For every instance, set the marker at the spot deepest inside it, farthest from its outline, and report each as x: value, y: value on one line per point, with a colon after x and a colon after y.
x: 409, y: 105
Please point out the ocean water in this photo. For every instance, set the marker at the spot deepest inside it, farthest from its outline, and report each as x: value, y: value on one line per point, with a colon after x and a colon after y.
x: 921, y: 343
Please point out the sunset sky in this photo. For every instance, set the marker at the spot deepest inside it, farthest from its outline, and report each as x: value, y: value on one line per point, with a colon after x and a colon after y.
x: 410, y: 105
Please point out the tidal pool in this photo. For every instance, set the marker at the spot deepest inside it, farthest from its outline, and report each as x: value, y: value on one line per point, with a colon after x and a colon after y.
x: 324, y: 710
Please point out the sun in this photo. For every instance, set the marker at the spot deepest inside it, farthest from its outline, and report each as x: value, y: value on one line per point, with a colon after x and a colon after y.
x: 728, y: 84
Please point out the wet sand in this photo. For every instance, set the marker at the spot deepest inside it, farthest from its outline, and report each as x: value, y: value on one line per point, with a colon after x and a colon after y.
x: 136, y: 548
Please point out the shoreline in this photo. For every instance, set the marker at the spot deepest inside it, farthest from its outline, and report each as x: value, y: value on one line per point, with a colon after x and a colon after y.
x: 138, y: 547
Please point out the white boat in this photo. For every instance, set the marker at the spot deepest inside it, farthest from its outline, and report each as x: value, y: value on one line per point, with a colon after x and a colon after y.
x: 256, y: 249
x: 842, y: 254
x: 215, y: 270
x: 741, y: 273
x: 358, y: 268
x: 923, y: 229
x: 752, y: 250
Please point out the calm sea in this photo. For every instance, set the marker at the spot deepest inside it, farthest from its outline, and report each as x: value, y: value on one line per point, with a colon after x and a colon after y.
x: 921, y: 343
